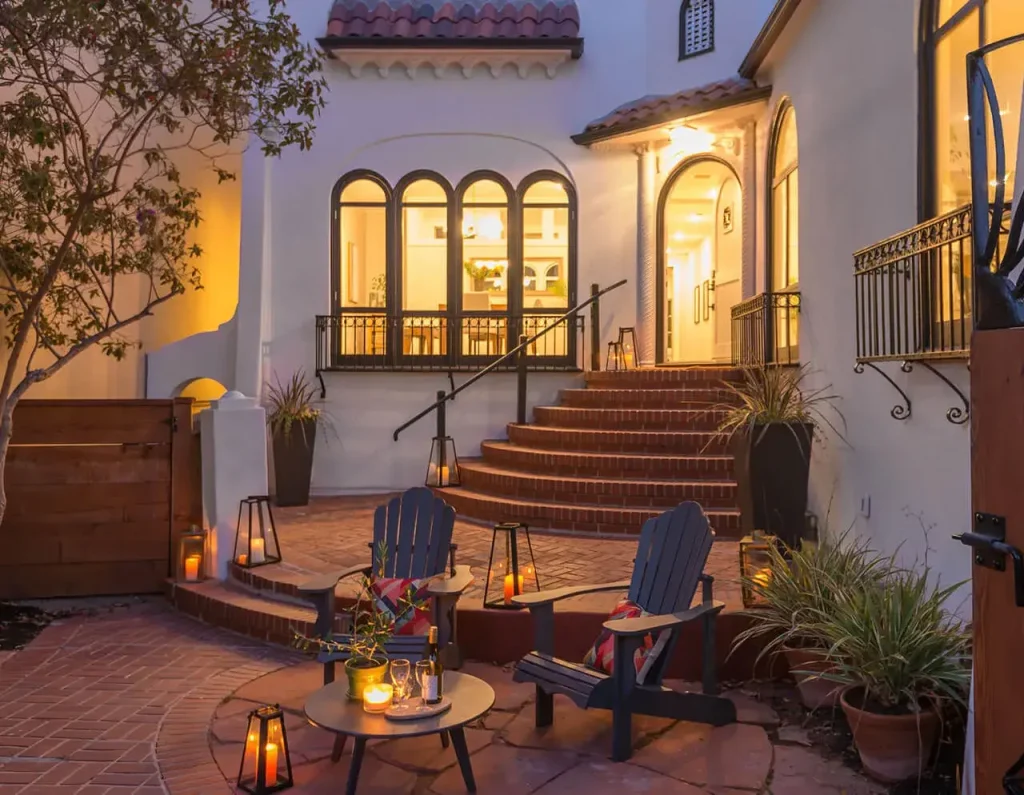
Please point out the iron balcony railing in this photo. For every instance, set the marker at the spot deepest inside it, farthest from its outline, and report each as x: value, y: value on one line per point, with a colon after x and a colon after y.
x: 766, y: 329
x: 367, y: 339
x: 914, y: 292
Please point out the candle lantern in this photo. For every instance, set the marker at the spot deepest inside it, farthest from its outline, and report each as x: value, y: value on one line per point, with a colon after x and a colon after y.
x: 443, y: 467
x: 192, y: 555
x: 511, y: 569
x: 755, y: 567
x: 265, y: 766
x: 256, y: 536
x: 627, y: 347
x: 615, y: 360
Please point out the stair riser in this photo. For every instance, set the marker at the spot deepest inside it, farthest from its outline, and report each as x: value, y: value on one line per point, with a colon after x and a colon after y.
x: 663, y: 378
x: 644, y: 398
x: 574, y: 519
x: 601, y: 492
x: 621, y: 442
x: 639, y: 419
x: 594, y: 465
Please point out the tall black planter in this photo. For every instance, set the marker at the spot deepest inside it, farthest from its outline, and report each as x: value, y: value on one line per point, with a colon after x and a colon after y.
x: 773, y: 467
x: 293, y: 463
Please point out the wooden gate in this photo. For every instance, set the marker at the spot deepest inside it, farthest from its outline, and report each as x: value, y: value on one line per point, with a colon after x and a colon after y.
x: 97, y: 490
x: 997, y: 465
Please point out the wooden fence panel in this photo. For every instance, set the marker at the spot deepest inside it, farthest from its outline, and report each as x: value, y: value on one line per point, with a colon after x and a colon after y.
x: 97, y: 492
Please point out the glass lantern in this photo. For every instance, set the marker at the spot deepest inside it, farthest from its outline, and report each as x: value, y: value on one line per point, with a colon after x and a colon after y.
x: 192, y: 555
x: 443, y: 466
x: 266, y: 766
x: 627, y: 346
x: 755, y: 567
x: 615, y: 360
x: 511, y: 571
x: 257, y: 544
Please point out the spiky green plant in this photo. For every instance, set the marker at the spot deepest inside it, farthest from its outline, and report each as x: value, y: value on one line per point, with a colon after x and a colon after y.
x: 804, y: 587
x: 770, y: 395
x: 898, y: 640
x: 290, y: 403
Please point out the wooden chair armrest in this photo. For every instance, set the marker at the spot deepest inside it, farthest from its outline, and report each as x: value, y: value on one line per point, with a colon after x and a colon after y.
x: 641, y: 626
x: 454, y: 585
x: 557, y: 594
x: 327, y: 582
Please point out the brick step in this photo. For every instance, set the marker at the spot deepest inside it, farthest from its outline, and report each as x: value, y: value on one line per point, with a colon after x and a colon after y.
x: 560, y: 462
x: 581, y: 519
x: 478, y: 476
x: 607, y: 441
x: 664, y: 378
x: 623, y: 418
x: 645, y: 398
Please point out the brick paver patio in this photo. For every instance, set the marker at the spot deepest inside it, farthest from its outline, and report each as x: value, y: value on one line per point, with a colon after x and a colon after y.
x: 139, y: 699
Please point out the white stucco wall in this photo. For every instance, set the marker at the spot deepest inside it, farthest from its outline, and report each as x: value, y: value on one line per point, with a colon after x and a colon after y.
x: 857, y: 126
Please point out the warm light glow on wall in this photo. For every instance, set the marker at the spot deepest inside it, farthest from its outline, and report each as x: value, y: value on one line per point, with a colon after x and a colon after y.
x: 684, y: 142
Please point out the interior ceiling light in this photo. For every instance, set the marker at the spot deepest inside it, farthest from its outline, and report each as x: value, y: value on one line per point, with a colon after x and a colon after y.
x: 690, y: 140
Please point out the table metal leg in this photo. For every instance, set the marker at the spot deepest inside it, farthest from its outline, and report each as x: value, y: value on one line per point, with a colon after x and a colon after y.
x: 444, y: 739
x: 462, y: 754
x: 339, y: 747
x: 355, y: 764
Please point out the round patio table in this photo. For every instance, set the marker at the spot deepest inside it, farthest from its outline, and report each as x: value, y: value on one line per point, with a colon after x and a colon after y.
x: 330, y: 709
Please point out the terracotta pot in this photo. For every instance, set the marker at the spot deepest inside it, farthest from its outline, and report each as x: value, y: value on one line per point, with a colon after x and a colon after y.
x: 363, y: 674
x: 892, y: 748
x: 815, y: 692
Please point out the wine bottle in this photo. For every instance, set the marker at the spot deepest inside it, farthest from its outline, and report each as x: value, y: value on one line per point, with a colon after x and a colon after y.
x: 433, y: 686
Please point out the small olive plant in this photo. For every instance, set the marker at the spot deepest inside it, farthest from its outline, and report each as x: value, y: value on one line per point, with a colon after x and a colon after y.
x: 371, y: 628
x: 291, y: 402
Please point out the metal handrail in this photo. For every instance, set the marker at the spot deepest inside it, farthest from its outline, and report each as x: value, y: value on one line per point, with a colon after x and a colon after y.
x: 523, y: 344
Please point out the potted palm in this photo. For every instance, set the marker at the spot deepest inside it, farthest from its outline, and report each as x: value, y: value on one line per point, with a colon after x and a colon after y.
x: 293, y: 419
x: 801, y: 589
x: 903, y: 659
x: 769, y: 422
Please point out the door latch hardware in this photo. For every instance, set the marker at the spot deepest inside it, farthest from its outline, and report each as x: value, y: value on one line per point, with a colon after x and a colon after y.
x: 988, y: 540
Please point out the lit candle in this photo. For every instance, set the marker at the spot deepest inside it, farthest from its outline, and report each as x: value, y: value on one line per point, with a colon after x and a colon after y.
x: 192, y: 568
x: 510, y: 588
x: 258, y: 553
x: 763, y: 577
x: 270, y: 765
x: 252, y: 744
x: 443, y: 480
x: 378, y: 697
x: 243, y: 559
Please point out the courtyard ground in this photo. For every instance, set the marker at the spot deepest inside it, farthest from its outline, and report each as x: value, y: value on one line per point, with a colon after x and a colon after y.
x: 137, y: 699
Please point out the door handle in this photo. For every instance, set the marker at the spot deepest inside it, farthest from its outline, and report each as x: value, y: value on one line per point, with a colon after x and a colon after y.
x: 988, y: 540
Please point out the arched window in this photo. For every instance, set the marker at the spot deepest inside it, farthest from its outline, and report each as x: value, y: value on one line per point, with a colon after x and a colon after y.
x: 951, y: 29
x: 784, y: 206
x: 423, y: 265
x: 696, y: 28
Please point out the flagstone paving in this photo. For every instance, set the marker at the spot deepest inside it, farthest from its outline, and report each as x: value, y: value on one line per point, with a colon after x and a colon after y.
x: 140, y: 700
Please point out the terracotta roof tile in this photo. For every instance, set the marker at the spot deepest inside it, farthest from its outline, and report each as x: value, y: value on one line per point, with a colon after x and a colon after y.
x: 455, y: 19
x: 659, y: 108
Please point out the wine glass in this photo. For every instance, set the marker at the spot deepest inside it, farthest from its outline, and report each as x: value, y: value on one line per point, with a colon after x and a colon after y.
x: 423, y: 668
x: 400, y: 673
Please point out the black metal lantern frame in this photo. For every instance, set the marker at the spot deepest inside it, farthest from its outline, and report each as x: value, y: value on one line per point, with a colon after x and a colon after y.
x: 258, y: 546
x: 514, y: 572
x: 443, y: 466
x: 755, y: 566
x: 192, y: 555
x: 627, y: 347
x: 614, y: 360
x: 266, y: 765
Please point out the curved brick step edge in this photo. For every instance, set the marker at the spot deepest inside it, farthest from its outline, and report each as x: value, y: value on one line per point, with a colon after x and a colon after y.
x: 504, y: 454
x: 644, y: 398
x: 498, y: 636
x: 606, y: 492
x: 613, y: 419
x: 603, y: 441
x: 664, y: 377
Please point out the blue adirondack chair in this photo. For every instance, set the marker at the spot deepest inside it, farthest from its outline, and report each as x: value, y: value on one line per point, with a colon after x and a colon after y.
x: 669, y: 564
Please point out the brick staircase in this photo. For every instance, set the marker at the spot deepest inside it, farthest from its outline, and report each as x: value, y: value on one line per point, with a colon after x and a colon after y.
x: 610, y: 456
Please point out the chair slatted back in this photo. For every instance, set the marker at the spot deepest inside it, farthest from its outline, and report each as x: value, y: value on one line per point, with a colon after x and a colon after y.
x: 670, y: 559
x: 416, y: 528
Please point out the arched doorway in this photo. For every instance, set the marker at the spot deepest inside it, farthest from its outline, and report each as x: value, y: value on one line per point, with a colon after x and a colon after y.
x: 700, y: 262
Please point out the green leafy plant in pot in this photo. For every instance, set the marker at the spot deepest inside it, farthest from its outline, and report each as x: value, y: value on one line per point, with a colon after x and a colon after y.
x: 903, y: 659
x: 769, y: 422
x: 801, y: 589
x: 293, y: 420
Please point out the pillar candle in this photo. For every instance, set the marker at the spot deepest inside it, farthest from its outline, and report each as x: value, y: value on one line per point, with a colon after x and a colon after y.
x: 192, y: 568
x: 510, y: 588
x: 270, y: 765
x: 258, y: 551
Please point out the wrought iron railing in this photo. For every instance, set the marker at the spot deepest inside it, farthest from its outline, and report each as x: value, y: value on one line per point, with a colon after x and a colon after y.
x: 367, y: 339
x: 914, y: 292
x: 766, y: 329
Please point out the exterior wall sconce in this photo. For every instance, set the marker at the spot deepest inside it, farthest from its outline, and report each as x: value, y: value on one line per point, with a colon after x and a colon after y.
x: 755, y: 567
x: 192, y: 555
x: 259, y: 546
x: 510, y: 572
x: 443, y: 466
x: 266, y: 766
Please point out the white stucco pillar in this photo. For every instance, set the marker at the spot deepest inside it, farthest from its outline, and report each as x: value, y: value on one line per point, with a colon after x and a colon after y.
x: 234, y: 449
x: 748, y: 154
x: 646, y: 256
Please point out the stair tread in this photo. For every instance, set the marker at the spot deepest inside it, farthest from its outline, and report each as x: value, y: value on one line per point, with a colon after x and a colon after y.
x: 632, y: 409
x: 651, y: 511
x: 246, y: 599
x: 620, y: 431
x: 504, y: 444
x: 479, y: 466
